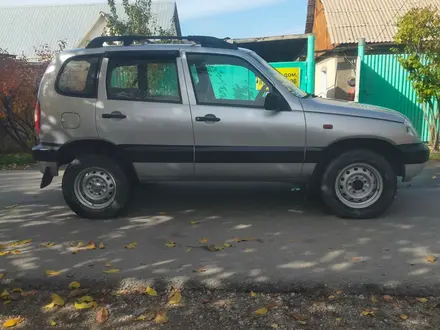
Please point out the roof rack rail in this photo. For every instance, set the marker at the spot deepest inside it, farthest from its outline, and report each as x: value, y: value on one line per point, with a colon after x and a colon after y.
x: 204, y: 41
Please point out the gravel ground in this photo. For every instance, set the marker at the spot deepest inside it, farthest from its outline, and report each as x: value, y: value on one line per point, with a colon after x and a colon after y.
x: 224, y: 310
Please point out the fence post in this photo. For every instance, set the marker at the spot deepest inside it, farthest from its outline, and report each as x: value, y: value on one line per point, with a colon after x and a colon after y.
x: 360, y: 59
x: 311, y: 64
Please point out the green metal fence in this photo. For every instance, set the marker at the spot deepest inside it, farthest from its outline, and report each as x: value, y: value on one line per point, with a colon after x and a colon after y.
x: 383, y: 82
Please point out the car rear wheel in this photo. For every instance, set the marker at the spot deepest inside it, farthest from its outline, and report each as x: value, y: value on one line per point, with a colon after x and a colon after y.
x: 359, y: 184
x: 96, y: 187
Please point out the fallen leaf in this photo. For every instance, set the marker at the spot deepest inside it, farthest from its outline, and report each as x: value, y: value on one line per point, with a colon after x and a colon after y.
x: 149, y: 316
x: 85, y: 299
x: 22, y: 242
x: 331, y: 297
x: 300, y: 317
x: 272, y: 305
x: 238, y: 240
x: 175, y: 297
x: 339, y: 292
x: 356, y: 258
x: 16, y: 252
x: 13, y: 322
x: 227, y: 245
x: 17, y: 290
x: 80, y: 244
x: 4, y: 253
x: 150, y: 291
x: 388, y: 298
x: 193, y: 222
x: 51, y: 273
x: 200, y: 270
x: 161, y: 317
x: 422, y: 300
x: 188, y: 249
x: 262, y: 311
x: 170, y: 244
x: 56, y: 301
x: 403, y: 316
x: 4, y: 294
x: 101, y: 245
x: 302, y: 322
x: 112, y: 270
x: 163, y: 213
x: 85, y: 305
x: 2, y: 275
x: 90, y: 246
x: 74, y: 285
x: 7, y: 302
x: 48, y: 244
x: 102, y: 315
x: 108, y: 264
x: 431, y: 259
x: 274, y: 326
x: 253, y: 294
x: 367, y: 312
x: 131, y: 245
x: 373, y: 299
x: 52, y: 323
x: 203, y: 240
x: 214, y: 248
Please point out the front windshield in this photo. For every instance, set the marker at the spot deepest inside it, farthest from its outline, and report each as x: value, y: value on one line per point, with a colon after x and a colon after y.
x: 290, y: 86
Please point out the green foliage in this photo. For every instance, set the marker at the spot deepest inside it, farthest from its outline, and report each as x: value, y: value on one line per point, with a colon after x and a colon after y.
x: 419, y: 34
x: 140, y: 20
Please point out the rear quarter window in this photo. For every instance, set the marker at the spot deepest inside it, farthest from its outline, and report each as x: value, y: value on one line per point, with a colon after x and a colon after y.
x: 78, y: 77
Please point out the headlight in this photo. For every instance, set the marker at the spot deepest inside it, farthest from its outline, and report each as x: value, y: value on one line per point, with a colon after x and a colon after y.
x: 410, y: 128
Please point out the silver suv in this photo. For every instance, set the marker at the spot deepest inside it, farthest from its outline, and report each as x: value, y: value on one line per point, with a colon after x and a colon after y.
x: 127, y: 110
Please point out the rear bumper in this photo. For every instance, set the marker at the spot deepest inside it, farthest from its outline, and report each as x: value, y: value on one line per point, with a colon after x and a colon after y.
x: 414, y: 158
x: 47, y: 158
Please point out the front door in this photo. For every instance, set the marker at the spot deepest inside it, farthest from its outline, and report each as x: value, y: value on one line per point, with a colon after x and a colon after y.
x: 235, y: 137
x: 143, y: 108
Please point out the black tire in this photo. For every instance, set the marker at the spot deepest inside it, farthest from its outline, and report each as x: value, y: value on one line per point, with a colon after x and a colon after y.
x: 372, y: 159
x: 122, y: 188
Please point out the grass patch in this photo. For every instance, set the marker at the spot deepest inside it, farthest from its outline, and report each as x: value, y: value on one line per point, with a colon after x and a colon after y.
x: 15, y: 159
x: 434, y: 155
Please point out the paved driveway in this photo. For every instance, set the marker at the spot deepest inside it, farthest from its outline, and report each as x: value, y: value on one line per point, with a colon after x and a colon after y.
x: 302, y: 246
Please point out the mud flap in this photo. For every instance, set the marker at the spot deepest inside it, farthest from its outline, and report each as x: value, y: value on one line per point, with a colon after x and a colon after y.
x: 47, y: 178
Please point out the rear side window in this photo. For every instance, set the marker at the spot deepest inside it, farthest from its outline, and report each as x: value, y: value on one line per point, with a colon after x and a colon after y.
x: 77, y: 77
x: 137, y: 79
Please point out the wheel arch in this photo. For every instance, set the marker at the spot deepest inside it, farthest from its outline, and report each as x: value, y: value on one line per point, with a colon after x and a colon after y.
x: 69, y: 151
x: 383, y: 147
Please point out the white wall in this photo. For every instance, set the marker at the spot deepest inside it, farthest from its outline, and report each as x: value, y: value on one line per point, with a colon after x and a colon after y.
x: 96, y: 31
x: 325, y: 84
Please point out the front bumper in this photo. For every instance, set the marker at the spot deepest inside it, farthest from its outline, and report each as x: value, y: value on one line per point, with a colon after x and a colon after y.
x: 414, y: 158
x: 47, y: 159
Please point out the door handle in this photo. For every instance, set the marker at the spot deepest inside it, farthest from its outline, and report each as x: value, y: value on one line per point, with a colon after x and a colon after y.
x: 114, y: 115
x: 208, y: 118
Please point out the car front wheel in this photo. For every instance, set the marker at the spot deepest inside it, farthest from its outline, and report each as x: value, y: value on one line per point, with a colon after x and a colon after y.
x: 95, y: 187
x: 359, y: 184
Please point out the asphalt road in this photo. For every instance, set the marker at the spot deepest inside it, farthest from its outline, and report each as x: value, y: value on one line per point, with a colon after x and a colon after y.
x: 302, y: 246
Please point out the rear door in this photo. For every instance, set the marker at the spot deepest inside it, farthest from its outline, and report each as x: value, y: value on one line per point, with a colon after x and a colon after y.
x: 235, y: 137
x: 143, y: 108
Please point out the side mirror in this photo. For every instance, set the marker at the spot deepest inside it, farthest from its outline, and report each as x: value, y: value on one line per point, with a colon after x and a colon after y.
x: 274, y: 102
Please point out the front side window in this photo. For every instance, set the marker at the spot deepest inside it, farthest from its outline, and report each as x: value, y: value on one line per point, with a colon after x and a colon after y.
x: 78, y: 77
x: 226, y: 80
x: 143, y: 80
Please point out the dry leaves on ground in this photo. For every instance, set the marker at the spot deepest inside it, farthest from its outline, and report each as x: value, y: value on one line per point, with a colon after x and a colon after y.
x: 101, y: 245
x: 13, y: 322
x: 2, y: 275
x: 388, y: 298
x: 203, y: 240
x: 131, y: 245
x: 47, y: 244
x: 422, y: 300
x: 161, y: 317
x: 56, y: 301
x: 262, y: 311
x: 403, y: 316
x: 253, y: 294
x: 367, y: 312
x: 170, y: 244
x: 74, y: 285
x: 52, y: 323
x: 51, y: 273
x: 430, y: 259
x: 102, y: 315
x: 200, y: 270
x: 112, y: 271
x: 22, y: 242
x: 148, y: 316
x: 175, y: 297
x: 85, y: 302
x: 150, y: 291
x: 194, y: 222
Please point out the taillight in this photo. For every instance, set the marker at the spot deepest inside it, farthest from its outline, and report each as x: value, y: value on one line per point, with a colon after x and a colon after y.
x: 37, y: 117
